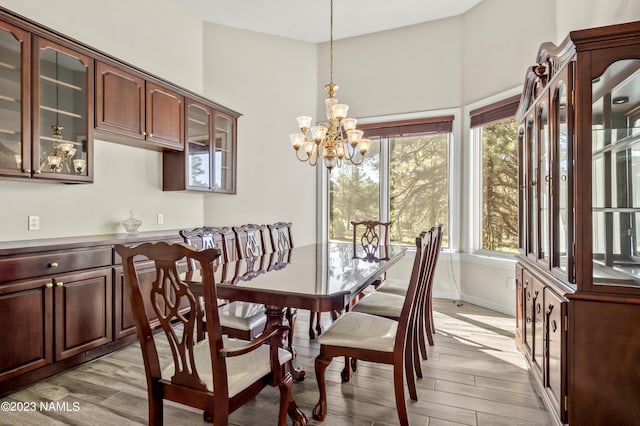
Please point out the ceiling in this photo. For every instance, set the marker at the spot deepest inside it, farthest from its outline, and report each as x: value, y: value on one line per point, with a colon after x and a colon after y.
x: 308, y: 20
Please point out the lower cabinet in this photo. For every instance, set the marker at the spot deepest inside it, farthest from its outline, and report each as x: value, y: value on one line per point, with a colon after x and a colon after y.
x: 53, y: 318
x: 26, y: 326
x: 83, y: 312
x: 541, y: 335
x: 124, y: 324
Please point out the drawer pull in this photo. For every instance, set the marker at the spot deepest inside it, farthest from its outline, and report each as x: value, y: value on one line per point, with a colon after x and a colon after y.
x: 150, y: 135
x: 49, y: 285
x: 60, y: 284
x: 53, y: 265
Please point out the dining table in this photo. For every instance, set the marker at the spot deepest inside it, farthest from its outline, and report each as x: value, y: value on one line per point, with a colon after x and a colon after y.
x: 322, y: 277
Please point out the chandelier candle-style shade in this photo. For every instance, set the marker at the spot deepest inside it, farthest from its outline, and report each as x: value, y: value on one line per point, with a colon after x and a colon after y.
x: 336, y: 141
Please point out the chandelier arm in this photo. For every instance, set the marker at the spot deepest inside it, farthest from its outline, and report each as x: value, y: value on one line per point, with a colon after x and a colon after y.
x: 303, y: 159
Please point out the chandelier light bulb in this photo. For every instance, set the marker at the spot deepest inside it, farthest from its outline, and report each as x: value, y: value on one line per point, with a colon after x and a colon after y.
x: 340, y: 111
x: 297, y: 139
x: 318, y: 133
x: 349, y: 124
x: 304, y: 122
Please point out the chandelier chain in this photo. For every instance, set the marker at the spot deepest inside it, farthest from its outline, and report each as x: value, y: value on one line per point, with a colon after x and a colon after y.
x: 331, y: 45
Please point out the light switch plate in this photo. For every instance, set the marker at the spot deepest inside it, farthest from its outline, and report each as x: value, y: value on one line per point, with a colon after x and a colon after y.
x: 160, y: 218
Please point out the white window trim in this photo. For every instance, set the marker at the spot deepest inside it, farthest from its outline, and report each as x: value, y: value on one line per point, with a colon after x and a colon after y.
x: 455, y: 176
x: 474, y: 179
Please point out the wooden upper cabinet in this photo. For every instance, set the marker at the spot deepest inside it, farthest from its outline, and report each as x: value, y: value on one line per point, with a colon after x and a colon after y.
x: 120, y: 101
x: 142, y: 111
x: 165, y: 117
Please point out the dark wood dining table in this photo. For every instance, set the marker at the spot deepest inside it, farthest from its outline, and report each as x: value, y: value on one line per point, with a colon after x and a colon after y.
x: 322, y: 277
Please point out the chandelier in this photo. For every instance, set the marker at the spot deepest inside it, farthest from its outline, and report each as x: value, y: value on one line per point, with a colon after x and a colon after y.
x: 338, y: 140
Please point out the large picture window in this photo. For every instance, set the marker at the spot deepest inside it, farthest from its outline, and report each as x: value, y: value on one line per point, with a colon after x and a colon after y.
x: 496, y: 132
x: 404, y: 179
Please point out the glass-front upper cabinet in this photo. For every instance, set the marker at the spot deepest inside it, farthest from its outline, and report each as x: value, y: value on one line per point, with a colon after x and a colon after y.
x: 198, y: 148
x: 208, y: 162
x: 63, y: 113
x: 532, y: 188
x: 15, y: 142
x: 615, y: 124
x: 224, y: 157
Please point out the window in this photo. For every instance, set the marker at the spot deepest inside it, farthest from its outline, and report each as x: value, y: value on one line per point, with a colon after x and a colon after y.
x: 495, y: 131
x: 404, y: 179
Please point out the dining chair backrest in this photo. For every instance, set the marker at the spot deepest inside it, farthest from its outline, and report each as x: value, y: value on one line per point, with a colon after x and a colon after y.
x: 371, y: 239
x: 168, y: 296
x: 207, y: 237
x: 417, y: 281
x: 249, y: 240
x: 280, y: 236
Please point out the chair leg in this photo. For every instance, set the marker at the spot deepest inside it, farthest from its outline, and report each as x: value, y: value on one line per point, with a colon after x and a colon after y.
x: 345, y: 374
x: 155, y: 408
x: 315, y: 325
x: 291, y: 319
x: 320, y: 410
x: 286, y: 395
x: 398, y: 384
x: 354, y: 364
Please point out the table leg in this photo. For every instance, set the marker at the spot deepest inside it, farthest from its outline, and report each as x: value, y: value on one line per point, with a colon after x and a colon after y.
x: 275, y: 317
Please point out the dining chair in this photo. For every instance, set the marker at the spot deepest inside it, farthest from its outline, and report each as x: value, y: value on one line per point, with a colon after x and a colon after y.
x: 242, y: 320
x: 280, y: 236
x: 218, y: 374
x: 399, y: 287
x: 371, y: 239
x: 389, y: 304
x: 376, y: 339
x: 281, y: 243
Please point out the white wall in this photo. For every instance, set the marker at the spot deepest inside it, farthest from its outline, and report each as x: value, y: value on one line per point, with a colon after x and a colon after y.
x: 579, y: 14
x: 415, y: 68
x: 270, y: 80
x: 156, y: 35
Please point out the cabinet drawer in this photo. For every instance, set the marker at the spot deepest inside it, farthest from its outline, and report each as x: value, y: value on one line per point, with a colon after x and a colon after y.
x: 48, y: 263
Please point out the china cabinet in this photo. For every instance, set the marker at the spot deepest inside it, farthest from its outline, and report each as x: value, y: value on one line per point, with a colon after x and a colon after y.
x: 208, y: 162
x: 578, y: 271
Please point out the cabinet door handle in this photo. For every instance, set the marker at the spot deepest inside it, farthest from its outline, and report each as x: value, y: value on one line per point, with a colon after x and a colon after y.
x: 27, y: 170
x: 144, y: 133
x: 49, y: 285
x: 59, y: 284
x: 53, y: 265
x: 554, y: 326
x: 38, y: 171
x: 150, y: 135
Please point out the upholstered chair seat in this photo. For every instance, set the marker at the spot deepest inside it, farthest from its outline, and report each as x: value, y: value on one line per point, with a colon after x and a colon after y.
x: 242, y: 316
x: 384, y: 304
x: 394, y: 286
x: 242, y: 371
x: 358, y: 330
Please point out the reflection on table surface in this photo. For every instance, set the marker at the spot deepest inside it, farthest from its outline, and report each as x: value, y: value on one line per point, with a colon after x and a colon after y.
x: 310, y: 270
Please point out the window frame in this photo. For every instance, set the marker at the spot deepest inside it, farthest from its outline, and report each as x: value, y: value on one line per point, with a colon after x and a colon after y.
x: 492, y: 110
x: 454, y: 175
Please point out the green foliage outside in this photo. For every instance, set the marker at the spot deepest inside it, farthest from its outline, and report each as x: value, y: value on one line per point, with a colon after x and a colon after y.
x: 419, y: 195
x: 500, y: 186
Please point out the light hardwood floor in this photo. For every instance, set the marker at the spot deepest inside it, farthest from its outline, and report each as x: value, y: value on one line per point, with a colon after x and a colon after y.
x: 474, y: 376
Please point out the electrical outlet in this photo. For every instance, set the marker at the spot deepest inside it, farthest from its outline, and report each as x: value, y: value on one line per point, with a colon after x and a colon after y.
x: 160, y: 218
x: 34, y: 223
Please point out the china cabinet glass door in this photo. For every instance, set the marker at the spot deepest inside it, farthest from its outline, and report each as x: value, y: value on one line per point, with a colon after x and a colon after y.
x: 15, y: 45
x: 616, y: 174
x: 532, y: 170
x: 544, y: 176
x: 61, y: 150
x: 562, y: 219
x: 199, y: 147
x: 224, y: 154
